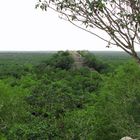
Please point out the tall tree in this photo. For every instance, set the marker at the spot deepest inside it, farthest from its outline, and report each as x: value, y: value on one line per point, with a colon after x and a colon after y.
x: 120, y: 19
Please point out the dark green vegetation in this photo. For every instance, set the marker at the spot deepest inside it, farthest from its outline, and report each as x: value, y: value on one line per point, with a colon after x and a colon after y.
x: 42, y: 97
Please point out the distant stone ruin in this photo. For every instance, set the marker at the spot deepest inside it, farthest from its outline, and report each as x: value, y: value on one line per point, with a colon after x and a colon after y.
x: 78, y: 60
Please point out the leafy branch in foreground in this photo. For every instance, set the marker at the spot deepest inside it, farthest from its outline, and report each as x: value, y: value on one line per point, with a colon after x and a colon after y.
x: 120, y: 19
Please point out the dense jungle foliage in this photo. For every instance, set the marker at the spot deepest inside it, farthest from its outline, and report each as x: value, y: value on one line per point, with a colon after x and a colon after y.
x: 43, y: 97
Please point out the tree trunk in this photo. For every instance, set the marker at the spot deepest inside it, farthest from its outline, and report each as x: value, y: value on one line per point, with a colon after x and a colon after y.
x: 137, y: 58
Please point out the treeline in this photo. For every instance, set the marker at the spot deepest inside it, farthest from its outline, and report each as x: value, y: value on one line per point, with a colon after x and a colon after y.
x: 54, y: 101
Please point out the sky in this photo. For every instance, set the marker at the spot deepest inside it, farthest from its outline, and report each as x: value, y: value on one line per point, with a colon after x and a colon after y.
x: 24, y: 28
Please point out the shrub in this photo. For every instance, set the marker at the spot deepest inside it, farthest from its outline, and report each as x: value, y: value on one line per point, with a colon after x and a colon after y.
x: 92, y: 62
x: 118, y: 104
x: 12, y: 106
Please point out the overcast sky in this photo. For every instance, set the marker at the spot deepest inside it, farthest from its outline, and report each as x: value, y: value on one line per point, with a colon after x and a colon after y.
x: 22, y: 27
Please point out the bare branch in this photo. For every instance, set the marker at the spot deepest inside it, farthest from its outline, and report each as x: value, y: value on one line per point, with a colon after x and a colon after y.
x: 120, y: 19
